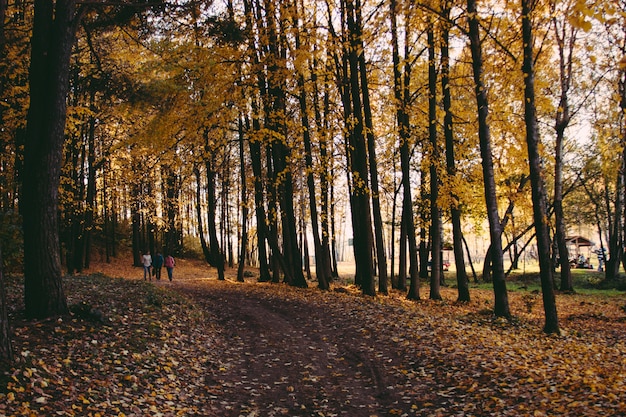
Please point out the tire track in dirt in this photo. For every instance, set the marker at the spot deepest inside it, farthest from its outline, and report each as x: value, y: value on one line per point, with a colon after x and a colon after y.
x: 288, y: 358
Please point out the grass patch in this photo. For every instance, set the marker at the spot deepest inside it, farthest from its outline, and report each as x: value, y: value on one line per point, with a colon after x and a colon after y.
x: 585, y: 281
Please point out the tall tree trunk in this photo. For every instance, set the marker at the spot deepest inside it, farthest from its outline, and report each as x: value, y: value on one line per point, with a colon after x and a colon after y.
x: 402, y: 261
x: 501, y: 305
x: 392, y: 244
x: 256, y: 154
x: 402, y: 94
x: 322, y: 261
x: 371, y: 152
x: 469, y: 259
x: 281, y: 152
x: 243, y: 244
x: 562, y: 120
x: 326, y: 182
x: 203, y: 243
x: 455, y: 213
x: 615, y: 233
x: 360, y: 186
x: 424, y: 231
x: 173, y: 236
x: 435, y: 218
x: 90, y: 206
x: 53, y: 36
x: 326, y: 262
x: 217, y: 257
x: 536, y: 175
x: 135, y: 213
x: 6, y: 350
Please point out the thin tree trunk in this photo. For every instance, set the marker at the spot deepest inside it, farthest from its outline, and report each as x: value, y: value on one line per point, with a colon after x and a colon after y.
x: 173, y: 242
x: 455, y: 213
x: 402, y: 258
x: 469, y: 259
x: 383, y: 286
x: 90, y: 209
x: 501, y: 305
x: 435, y: 219
x: 255, y: 155
x: 615, y: 241
x: 322, y: 262
x: 562, y: 120
x: 203, y: 243
x: 243, y: 244
x: 536, y: 175
x: 401, y: 94
x: 217, y: 257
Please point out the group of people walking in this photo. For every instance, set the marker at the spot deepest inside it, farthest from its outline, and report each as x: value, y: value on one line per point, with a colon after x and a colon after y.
x: 153, y: 266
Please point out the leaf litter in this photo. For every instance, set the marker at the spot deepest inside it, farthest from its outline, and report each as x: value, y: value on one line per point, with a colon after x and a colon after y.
x: 202, y: 347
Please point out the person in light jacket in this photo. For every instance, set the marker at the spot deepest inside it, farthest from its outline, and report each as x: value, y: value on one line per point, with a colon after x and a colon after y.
x: 146, y: 260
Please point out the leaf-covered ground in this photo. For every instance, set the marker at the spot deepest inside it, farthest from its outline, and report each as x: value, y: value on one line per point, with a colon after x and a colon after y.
x: 199, y: 347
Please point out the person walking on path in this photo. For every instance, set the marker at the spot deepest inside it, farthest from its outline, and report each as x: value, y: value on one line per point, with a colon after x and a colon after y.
x: 169, y: 265
x: 146, y: 260
x: 158, y: 264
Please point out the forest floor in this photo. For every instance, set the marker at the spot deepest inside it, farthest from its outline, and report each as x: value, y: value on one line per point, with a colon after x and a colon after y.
x: 200, y: 347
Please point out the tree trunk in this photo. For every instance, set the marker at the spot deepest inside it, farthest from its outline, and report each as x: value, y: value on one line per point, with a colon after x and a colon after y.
x: 402, y: 96
x: 362, y: 220
x: 90, y: 206
x: 173, y: 236
x: 501, y: 307
x: 243, y: 244
x: 615, y: 228
x: 322, y: 260
x: 455, y: 213
x: 402, y: 261
x: 281, y: 152
x: 435, y: 219
x: 536, y: 175
x: 203, y: 243
x: 562, y: 120
x: 469, y: 259
x: 371, y: 151
x: 52, y: 40
x: 6, y: 350
x: 255, y: 155
x: 217, y: 257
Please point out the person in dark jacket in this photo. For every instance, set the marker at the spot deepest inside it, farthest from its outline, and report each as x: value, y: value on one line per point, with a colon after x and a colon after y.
x: 158, y: 264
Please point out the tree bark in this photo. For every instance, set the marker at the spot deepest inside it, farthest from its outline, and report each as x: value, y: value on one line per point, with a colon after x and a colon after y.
x: 6, y: 350
x: 243, y: 244
x: 562, y: 120
x: 53, y: 36
x: 203, y: 243
x: 402, y: 94
x: 361, y: 215
x: 217, y: 256
x: 322, y: 258
x: 536, y: 174
x: 383, y: 286
x: 501, y: 305
x: 455, y: 213
x: 435, y: 219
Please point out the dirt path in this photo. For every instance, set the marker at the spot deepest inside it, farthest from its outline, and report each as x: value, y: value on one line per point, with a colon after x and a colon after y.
x: 292, y: 358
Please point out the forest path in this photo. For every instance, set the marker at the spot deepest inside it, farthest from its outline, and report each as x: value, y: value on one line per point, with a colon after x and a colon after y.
x: 291, y: 357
